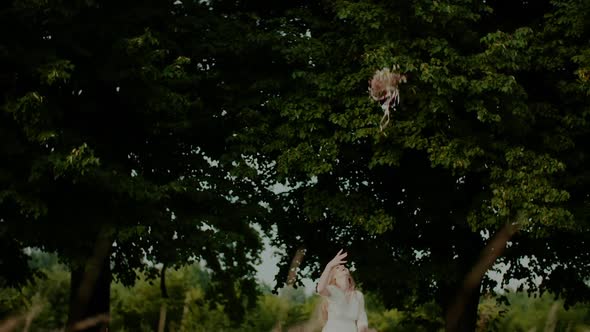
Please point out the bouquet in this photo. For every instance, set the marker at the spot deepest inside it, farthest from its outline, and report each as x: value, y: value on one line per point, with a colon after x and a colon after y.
x: 384, y: 87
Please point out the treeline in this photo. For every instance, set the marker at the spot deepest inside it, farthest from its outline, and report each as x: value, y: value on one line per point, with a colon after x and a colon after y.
x: 139, y: 308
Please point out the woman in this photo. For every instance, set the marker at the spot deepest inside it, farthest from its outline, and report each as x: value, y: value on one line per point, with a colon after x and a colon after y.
x: 345, y: 305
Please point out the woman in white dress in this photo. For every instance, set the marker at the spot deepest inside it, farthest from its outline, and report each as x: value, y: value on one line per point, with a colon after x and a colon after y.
x: 344, y: 306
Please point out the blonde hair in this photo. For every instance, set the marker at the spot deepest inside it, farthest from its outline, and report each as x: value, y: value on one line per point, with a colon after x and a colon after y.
x: 332, y: 281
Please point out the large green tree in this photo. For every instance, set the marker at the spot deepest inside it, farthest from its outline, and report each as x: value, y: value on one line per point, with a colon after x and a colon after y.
x: 113, y: 135
x: 490, y: 132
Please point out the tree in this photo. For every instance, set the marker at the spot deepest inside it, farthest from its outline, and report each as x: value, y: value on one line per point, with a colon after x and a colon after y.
x: 489, y: 133
x: 113, y: 143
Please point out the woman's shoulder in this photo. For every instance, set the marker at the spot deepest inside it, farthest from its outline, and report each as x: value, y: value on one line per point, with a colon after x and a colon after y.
x: 359, y: 294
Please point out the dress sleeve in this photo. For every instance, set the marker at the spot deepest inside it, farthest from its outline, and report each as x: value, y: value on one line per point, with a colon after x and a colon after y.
x: 362, y: 321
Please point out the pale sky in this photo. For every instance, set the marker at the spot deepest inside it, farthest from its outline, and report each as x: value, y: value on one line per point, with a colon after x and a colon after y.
x: 268, y: 269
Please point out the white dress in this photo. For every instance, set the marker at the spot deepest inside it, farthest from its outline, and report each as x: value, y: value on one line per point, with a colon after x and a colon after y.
x: 345, y: 314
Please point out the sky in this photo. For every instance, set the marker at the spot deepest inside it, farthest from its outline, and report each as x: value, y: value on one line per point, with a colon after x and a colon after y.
x: 268, y: 269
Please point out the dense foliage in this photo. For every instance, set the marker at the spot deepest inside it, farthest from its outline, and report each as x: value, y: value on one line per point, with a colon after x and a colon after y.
x: 490, y: 131
x: 162, y: 132
x: 138, y: 308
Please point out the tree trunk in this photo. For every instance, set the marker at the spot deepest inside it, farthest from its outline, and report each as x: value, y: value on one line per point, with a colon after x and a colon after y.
x: 461, y: 314
x: 461, y: 307
x: 90, y: 296
x: 460, y: 295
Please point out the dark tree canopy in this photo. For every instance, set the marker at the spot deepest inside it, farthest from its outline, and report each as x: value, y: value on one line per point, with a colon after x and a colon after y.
x: 490, y: 131
x: 114, y: 129
x: 162, y: 127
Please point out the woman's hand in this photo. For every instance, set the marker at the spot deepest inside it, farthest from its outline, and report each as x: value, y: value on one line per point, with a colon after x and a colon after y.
x: 323, y: 282
x: 337, y: 260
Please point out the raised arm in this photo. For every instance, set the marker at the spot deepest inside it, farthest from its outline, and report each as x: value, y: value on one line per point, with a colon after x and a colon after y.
x: 323, y: 282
